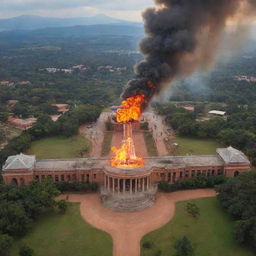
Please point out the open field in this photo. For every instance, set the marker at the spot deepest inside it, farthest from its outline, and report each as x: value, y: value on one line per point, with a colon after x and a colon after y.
x: 106, y: 145
x: 210, y: 234
x: 151, y: 147
x: 66, y: 234
x: 60, y: 147
x: 194, y: 146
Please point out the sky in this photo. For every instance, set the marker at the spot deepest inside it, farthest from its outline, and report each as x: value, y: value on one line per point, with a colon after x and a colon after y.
x: 121, y: 9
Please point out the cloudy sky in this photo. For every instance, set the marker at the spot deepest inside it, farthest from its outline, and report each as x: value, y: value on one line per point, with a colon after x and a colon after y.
x: 122, y: 9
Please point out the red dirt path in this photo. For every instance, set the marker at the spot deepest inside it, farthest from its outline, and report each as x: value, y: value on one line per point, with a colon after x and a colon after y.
x: 127, y: 229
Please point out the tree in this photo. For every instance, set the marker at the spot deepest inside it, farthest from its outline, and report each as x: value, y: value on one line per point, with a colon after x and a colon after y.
x: 2, y: 135
x: 193, y: 209
x: 5, y: 244
x: 21, y: 110
x: 26, y: 251
x: 238, y: 198
x: 147, y: 244
x: 62, y: 205
x: 183, y: 247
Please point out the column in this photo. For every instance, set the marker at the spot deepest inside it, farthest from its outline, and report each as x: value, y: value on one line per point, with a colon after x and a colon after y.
x: 118, y: 186
x: 105, y: 181
x: 143, y: 185
x: 108, y: 184
x: 136, y: 185
x: 130, y: 186
x: 113, y: 185
x: 147, y: 182
x: 123, y: 185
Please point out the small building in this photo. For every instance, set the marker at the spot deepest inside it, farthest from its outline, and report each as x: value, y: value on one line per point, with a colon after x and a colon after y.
x: 62, y: 108
x: 217, y: 113
x: 55, y: 117
x: 12, y: 103
x: 19, y: 123
x: 189, y: 108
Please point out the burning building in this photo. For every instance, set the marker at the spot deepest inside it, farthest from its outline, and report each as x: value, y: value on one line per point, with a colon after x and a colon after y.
x: 181, y: 37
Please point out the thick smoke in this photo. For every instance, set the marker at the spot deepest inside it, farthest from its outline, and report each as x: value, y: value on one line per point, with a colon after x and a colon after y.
x: 182, y: 37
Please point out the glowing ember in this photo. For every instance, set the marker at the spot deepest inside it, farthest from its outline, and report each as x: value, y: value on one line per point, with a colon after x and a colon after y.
x: 125, y: 156
x: 131, y: 109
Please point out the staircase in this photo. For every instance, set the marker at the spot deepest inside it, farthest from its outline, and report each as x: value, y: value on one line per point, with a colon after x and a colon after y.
x: 128, y: 203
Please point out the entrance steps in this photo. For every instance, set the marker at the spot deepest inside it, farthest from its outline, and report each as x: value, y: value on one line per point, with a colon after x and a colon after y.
x: 130, y: 203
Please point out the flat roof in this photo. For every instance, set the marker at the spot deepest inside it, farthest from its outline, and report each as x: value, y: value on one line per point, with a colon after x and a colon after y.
x: 71, y: 164
x: 168, y: 162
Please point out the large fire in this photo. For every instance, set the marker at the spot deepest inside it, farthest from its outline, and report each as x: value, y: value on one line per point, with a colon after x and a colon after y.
x: 130, y: 111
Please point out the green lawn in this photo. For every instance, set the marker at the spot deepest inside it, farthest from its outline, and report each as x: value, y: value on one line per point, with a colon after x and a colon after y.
x: 60, y: 147
x: 66, y: 234
x: 106, y: 145
x: 151, y: 147
x: 210, y: 234
x: 194, y: 146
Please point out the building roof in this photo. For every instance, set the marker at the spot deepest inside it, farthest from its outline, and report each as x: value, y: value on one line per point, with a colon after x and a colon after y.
x: 217, y: 112
x: 70, y: 164
x: 20, y: 161
x: 169, y: 162
x: 232, y: 155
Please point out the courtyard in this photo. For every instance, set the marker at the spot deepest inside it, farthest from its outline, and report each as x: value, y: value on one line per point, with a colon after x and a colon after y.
x: 83, y: 228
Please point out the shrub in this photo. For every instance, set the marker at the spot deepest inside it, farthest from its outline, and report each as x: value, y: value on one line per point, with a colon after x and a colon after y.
x: 26, y: 251
x: 183, y: 247
x: 193, y: 209
x: 5, y: 244
x: 147, y: 245
x: 198, y: 182
x: 62, y: 205
x: 76, y: 186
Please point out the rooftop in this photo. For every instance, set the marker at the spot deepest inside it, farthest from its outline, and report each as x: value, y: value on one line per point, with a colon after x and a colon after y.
x: 70, y: 164
x: 20, y: 161
x: 184, y: 161
x: 232, y: 155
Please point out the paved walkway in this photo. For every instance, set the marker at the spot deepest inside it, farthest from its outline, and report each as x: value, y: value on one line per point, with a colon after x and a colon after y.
x: 127, y: 229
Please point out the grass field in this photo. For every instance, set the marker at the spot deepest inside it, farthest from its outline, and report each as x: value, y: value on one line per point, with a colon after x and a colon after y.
x: 210, y: 234
x: 64, y: 235
x: 194, y: 146
x: 106, y: 145
x: 60, y: 147
x: 151, y: 147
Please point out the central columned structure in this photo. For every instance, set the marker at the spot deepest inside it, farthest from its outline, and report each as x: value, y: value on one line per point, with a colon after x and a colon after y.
x: 128, y: 189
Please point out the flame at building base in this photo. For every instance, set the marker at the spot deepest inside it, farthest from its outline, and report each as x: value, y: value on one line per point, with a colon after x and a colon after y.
x: 125, y: 157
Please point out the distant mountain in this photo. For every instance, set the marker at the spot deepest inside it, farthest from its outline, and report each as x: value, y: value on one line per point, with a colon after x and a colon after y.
x: 30, y: 22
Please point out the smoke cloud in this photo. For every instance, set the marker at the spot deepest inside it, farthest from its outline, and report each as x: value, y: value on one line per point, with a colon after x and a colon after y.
x: 182, y: 37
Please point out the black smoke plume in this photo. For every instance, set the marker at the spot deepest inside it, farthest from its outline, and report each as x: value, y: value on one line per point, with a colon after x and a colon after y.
x: 182, y: 37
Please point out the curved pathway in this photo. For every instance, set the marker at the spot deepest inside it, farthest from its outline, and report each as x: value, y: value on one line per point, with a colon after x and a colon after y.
x: 127, y: 229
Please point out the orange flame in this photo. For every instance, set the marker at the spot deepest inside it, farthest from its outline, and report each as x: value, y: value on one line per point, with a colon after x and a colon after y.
x: 123, y: 158
x: 131, y: 109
